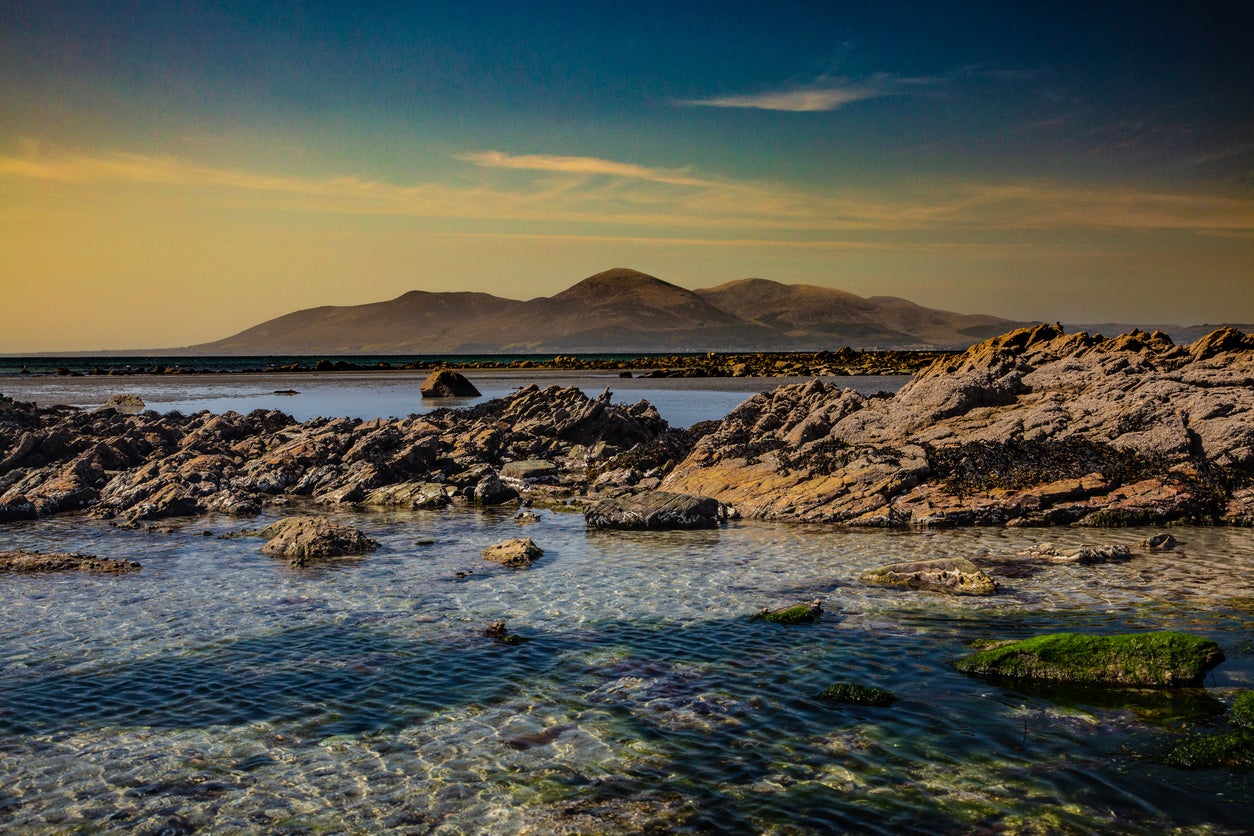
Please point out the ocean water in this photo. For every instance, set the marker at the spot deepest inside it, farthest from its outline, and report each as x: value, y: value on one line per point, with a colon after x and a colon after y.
x: 219, y: 690
x: 396, y: 394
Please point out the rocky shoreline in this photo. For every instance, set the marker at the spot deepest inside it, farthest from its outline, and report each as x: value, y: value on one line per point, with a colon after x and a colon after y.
x: 1035, y: 427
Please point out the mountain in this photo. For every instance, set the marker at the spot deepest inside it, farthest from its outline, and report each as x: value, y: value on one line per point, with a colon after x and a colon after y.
x: 620, y: 310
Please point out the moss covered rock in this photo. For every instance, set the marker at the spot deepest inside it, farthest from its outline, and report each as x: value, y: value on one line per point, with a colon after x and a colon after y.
x: 1243, y: 710
x: 1210, y: 751
x: 851, y: 693
x: 806, y: 613
x: 1134, y: 659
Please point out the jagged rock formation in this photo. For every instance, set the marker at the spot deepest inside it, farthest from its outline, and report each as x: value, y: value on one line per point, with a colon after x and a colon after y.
x: 148, y: 466
x: 1033, y: 427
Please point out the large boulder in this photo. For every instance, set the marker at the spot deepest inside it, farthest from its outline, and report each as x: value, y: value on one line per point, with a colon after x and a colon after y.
x: 446, y: 383
x: 653, y: 510
x: 516, y: 553
x: 1140, y: 660
x: 304, y: 538
x: 955, y: 575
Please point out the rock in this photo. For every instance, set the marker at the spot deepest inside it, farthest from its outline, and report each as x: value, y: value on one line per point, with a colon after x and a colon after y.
x: 516, y: 553
x: 409, y: 495
x: 492, y: 491
x: 17, y: 507
x: 1140, y: 660
x: 497, y: 632
x: 851, y: 693
x: 954, y: 575
x: 1035, y: 427
x: 25, y: 561
x: 125, y: 402
x: 526, y: 518
x: 807, y: 613
x: 531, y: 470
x: 446, y: 383
x: 301, y: 539
x: 1159, y: 543
x: 653, y: 510
x: 1083, y: 555
x: 1243, y: 710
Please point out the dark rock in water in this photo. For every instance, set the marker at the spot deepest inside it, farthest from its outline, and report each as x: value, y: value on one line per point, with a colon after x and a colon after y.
x: 955, y: 575
x: 24, y: 561
x: 653, y: 510
x: 1243, y: 710
x: 447, y: 383
x: 497, y: 632
x: 516, y: 553
x: 1139, y: 660
x: 301, y: 539
x: 851, y: 693
x: 492, y: 491
x: 17, y: 507
x: 807, y: 613
x: 1159, y: 543
x: 1083, y: 555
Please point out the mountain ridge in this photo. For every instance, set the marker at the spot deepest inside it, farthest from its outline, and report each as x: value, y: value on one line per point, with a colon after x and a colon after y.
x: 617, y: 310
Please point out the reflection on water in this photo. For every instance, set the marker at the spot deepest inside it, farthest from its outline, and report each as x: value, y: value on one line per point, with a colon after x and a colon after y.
x: 220, y: 689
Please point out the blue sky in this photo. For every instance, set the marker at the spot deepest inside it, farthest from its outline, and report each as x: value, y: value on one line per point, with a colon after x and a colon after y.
x: 185, y: 170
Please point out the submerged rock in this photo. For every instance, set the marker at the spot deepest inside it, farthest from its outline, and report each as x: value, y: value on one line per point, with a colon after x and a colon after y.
x: 26, y: 561
x: 301, y: 539
x: 653, y: 510
x: 955, y: 575
x: 1140, y: 660
x: 516, y: 553
x: 851, y: 693
x: 807, y: 613
x: 446, y: 383
x: 1083, y: 555
x: 498, y: 633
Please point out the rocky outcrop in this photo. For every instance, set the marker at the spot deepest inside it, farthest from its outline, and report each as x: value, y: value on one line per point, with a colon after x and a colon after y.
x: 653, y: 511
x: 852, y: 693
x: 806, y: 613
x: 1035, y: 427
x: 144, y: 467
x: 446, y: 383
x: 27, y: 562
x: 516, y: 553
x: 955, y: 575
x: 1138, y: 660
x: 304, y: 539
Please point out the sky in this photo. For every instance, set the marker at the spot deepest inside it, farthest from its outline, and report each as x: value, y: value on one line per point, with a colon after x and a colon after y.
x: 174, y: 172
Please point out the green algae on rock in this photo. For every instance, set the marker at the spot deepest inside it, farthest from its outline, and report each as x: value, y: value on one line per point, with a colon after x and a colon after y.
x: 1133, y: 660
x: 851, y: 693
x: 1243, y: 710
x: 806, y: 613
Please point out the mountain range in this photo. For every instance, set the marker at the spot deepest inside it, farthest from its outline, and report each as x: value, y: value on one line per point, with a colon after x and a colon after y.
x: 619, y: 310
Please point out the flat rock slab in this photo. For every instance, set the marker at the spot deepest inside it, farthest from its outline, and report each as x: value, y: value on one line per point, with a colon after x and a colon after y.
x: 653, y: 511
x: 807, y: 613
x: 301, y: 539
x: 409, y: 495
x: 447, y: 383
x: 24, y: 561
x: 529, y: 470
x: 955, y: 575
x: 516, y: 553
x: 1138, y: 660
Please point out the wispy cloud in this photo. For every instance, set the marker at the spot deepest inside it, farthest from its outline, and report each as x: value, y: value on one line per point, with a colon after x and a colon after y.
x: 599, y: 197
x: 822, y: 95
x: 581, y: 166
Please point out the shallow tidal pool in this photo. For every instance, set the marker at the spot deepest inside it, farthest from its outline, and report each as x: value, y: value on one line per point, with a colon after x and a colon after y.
x: 220, y: 690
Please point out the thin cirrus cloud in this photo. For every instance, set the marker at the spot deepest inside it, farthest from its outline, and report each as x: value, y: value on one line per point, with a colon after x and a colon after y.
x: 626, y: 198
x: 821, y: 96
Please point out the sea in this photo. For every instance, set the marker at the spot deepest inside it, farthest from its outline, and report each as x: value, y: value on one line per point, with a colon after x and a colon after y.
x: 219, y: 690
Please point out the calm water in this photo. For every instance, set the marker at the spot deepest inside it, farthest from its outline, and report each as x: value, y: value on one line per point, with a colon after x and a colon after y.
x: 682, y: 402
x: 219, y: 690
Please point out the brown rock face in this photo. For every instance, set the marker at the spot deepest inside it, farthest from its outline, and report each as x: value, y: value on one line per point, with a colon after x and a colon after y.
x: 24, y: 561
x: 517, y: 553
x: 1035, y: 427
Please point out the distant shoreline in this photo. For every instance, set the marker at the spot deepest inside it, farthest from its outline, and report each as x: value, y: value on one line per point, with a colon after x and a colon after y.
x: 844, y: 362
